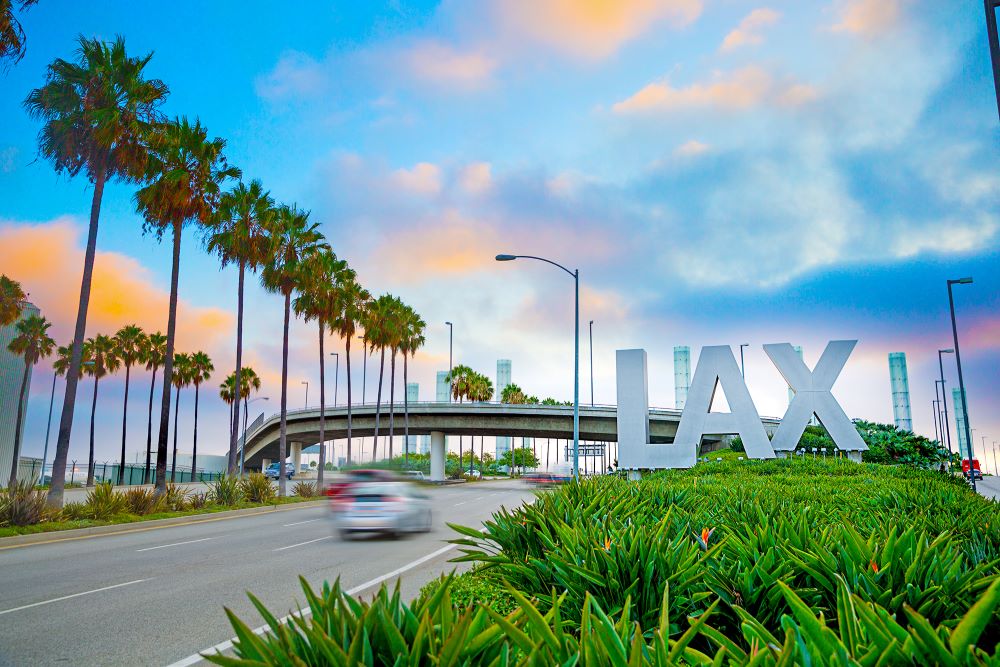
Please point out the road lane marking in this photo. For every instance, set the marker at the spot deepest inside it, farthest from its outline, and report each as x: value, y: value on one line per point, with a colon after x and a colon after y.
x: 299, y: 523
x: 175, y: 544
x: 292, y: 546
x: 462, y: 503
x: 74, y: 595
x: 228, y: 644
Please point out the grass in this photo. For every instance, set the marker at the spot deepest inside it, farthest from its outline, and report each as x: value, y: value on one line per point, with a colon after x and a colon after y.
x: 53, y: 526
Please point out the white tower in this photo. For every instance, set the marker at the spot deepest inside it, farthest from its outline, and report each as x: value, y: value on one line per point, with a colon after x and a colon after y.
x: 900, y: 382
x: 682, y: 375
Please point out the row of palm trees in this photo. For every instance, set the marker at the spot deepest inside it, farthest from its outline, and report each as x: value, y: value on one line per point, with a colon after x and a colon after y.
x: 467, y: 384
x: 100, y: 116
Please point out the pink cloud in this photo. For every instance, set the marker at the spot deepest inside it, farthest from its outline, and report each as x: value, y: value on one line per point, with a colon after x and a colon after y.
x: 424, y: 178
x: 868, y: 17
x: 441, y: 64
x: 748, y: 32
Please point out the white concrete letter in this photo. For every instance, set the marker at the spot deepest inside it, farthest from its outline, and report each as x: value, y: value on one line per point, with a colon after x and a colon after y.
x: 812, y: 395
x: 716, y: 365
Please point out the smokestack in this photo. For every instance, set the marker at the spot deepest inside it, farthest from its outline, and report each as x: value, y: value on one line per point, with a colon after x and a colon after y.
x: 682, y: 375
x: 900, y: 382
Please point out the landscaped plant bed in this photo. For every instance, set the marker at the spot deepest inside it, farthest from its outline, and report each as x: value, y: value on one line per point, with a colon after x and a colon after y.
x: 738, y: 562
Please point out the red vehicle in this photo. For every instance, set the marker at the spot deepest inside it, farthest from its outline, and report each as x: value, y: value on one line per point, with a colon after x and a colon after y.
x: 976, y: 472
x: 335, y: 490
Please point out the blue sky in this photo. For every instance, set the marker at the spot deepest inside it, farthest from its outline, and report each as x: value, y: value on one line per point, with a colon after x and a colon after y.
x: 721, y: 171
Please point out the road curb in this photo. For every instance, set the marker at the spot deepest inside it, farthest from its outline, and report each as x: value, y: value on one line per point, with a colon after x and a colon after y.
x: 138, y: 526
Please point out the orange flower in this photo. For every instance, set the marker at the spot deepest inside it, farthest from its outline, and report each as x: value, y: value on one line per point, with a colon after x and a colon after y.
x: 705, y: 534
x: 607, y: 544
x: 874, y: 566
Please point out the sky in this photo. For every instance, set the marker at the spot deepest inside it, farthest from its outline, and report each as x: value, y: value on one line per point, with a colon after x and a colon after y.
x: 720, y: 171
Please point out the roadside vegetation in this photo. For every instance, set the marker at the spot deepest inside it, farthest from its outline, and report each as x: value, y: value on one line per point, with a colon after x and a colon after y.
x: 729, y: 563
x: 23, y: 509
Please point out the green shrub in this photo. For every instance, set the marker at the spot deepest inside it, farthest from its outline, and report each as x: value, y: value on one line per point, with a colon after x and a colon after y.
x: 257, y: 488
x: 197, y: 501
x: 227, y: 490
x: 305, y: 489
x: 175, y: 498
x: 142, y: 501
x: 74, y: 511
x: 103, y: 502
x: 478, y: 586
x: 23, y: 505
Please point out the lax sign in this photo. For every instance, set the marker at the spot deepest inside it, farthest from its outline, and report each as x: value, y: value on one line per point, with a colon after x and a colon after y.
x: 717, y: 366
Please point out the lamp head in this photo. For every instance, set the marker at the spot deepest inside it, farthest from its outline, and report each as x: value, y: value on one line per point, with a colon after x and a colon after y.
x: 950, y: 350
x: 506, y: 258
x: 961, y: 281
x: 448, y: 323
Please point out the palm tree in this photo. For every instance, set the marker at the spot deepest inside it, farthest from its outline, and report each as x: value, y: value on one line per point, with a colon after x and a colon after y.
x: 413, y: 341
x: 249, y: 383
x: 481, y: 391
x: 97, y: 112
x: 11, y: 34
x: 101, y: 354
x: 31, y: 343
x: 294, y: 239
x: 227, y: 392
x: 11, y: 297
x: 396, y: 335
x: 185, y: 177
x: 319, y: 299
x: 154, y: 350
x: 239, y: 235
x: 128, y: 348
x: 460, y: 379
x: 181, y: 377
x: 201, y: 370
x: 378, y: 331
x: 354, y: 301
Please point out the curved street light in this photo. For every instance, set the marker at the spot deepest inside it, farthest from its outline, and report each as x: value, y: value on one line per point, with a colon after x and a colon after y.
x: 576, y: 354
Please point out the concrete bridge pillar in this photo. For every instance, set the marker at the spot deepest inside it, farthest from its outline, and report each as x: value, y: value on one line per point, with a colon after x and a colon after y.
x: 437, y: 456
x: 264, y: 463
x: 296, y: 456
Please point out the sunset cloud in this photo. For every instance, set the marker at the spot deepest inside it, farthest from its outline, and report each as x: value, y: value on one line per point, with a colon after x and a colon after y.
x: 423, y: 178
x: 440, y: 64
x: 476, y: 178
x: 748, y: 32
x: 868, y: 17
x: 742, y: 89
x: 592, y: 29
x: 691, y: 148
x: 296, y: 74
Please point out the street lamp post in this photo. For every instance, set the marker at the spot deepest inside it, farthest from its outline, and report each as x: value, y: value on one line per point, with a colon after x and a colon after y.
x: 591, y: 363
x: 991, y: 32
x: 336, y: 376
x: 995, y: 458
x: 451, y: 331
x: 944, y: 392
x: 576, y: 353
x: 48, y: 427
x: 985, y: 451
x: 243, y: 448
x: 306, y: 383
x: 934, y: 404
x: 958, y: 363
x: 743, y: 368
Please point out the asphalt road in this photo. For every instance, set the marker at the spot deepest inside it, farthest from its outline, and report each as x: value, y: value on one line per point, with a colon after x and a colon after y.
x: 989, y: 486
x: 156, y: 597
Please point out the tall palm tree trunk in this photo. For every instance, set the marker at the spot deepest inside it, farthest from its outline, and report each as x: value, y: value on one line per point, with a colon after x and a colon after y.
x: 55, y: 498
x: 17, y: 428
x: 392, y: 400
x: 194, y: 443
x: 173, y: 462
x: 149, y: 428
x: 283, y: 439
x: 406, y: 414
x: 322, y: 411
x: 90, y: 458
x: 239, y: 369
x: 121, y: 467
x: 378, y: 404
x: 347, y: 352
x: 168, y: 369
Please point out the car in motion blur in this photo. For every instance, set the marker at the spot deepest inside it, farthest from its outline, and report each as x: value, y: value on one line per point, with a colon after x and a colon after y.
x: 388, y: 508
x: 349, y: 478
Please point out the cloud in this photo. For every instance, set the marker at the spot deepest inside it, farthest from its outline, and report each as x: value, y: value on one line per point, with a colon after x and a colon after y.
x: 691, y: 148
x: 440, y: 64
x: 947, y: 236
x: 295, y: 75
x: 8, y: 159
x: 591, y: 29
x: 476, y: 178
x: 424, y: 178
x: 868, y: 17
x: 742, y: 89
x: 47, y: 258
x: 748, y: 32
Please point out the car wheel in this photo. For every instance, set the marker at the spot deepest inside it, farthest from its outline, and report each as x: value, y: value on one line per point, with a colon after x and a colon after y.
x: 346, y: 535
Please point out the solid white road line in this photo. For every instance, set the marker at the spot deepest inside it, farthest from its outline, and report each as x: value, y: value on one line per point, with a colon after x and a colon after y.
x: 175, y: 544
x: 74, y: 595
x: 299, y: 523
x: 462, y: 503
x: 292, y: 546
x: 226, y: 645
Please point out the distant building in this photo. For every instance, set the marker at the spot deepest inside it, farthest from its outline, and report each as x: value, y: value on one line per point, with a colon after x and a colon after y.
x: 11, y: 374
x: 417, y: 444
x: 503, y: 380
x: 682, y: 375
x: 443, y: 394
x: 899, y: 379
x: 963, y: 443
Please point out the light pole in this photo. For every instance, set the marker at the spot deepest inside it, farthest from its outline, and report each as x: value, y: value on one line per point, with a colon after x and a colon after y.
x: 934, y: 405
x: 243, y: 448
x: 995, y: 458
x: 991, y: 32
x: 451, y: 331
x: 306, y: 383
x: 48, y: 424
x: 591, y: 363
x: 944, y: 392
x: 985, y: 451
x: 576, y: 354
x: 336, y: 376
x: 743, y: 368
x: 958, y: 363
